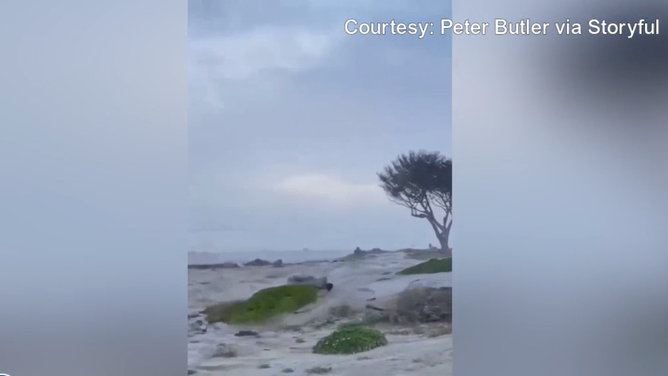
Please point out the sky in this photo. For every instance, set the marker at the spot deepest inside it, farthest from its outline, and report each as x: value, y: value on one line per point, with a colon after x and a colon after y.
x: 290, y: 119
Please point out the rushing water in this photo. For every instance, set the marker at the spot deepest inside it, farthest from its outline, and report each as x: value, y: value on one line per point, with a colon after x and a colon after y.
x: 240, y: 257
x: 355, y: 281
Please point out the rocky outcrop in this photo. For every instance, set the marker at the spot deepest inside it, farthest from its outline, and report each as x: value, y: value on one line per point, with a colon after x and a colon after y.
x: 196, y: 324
x: 359, y: 253
x: 258, y: 262
x: 426, y: 304
x: 224, y: 265
x: 414, y: 305
x: 247, y: 333
x: 224, y: 350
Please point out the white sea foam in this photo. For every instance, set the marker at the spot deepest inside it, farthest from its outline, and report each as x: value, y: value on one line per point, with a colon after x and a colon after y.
x: 355, y: 283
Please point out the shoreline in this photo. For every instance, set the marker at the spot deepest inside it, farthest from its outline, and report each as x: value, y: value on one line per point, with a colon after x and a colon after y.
x: 417, y: 253
x: 286, y: 343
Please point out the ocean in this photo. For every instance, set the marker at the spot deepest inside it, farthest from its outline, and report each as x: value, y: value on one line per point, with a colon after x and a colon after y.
x: 199, y: 258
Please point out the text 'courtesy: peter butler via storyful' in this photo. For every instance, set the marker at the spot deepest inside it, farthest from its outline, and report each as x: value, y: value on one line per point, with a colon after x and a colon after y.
x: 502, y: 26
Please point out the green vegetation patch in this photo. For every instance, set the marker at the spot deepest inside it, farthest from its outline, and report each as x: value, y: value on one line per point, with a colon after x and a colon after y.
x: 429, y: 267
x: 263, y: 305
x: 427, y: 254
x: 350, y: 340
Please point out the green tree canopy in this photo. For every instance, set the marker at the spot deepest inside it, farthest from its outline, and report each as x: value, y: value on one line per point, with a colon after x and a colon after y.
x: 422, y: 182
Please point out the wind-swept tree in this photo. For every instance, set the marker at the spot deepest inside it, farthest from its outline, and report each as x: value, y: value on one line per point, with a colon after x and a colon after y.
x: 422, y: 182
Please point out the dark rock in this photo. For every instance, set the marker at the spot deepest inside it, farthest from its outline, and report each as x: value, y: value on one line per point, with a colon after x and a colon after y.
x: 224, y: 351
x: 329, y: 286
x: 258, y: 262
x: 228, y: 265
x: 191, y: 372
x: 369, y: 306
x: 288, y: 370
x: 425, y: 305
x: 224, y: 265
x: 359, y: 253
x: 318, y: 370
x: 247, y: 333
x: 196, y: 325
x: 278, y: 263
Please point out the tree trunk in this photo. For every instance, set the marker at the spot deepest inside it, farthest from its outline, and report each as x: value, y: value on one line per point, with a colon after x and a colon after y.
x: 444, y: 238
x: 442, y: 232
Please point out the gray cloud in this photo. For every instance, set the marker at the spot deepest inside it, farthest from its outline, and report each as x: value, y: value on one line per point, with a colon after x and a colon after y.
x: 290, y: 119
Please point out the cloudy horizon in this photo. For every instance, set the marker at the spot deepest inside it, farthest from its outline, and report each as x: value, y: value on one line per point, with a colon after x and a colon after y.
x: 291, y: 119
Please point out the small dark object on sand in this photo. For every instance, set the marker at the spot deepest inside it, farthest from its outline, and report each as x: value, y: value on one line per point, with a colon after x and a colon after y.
x: 329, y: 286
x: 246, y: 333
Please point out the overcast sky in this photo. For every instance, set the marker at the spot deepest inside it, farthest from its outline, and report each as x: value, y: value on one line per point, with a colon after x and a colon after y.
x: 291, y: 119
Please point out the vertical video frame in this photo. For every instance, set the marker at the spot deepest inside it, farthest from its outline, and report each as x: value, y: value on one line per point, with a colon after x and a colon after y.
x: 320, y: 189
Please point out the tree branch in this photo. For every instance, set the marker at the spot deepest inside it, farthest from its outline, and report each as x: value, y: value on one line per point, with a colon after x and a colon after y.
x: 421, y: 181
x: 436, y: 226
x: 446, y: 217
x: 442, y: 201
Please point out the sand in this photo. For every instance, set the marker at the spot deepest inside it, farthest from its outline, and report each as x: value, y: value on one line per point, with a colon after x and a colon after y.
x: 285, y: 346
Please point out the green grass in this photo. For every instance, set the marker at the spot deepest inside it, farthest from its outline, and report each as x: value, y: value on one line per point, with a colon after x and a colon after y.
x: 427, y: 254
x: 263, y: 305
x: 350, y: 340
x: 429, y: 267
